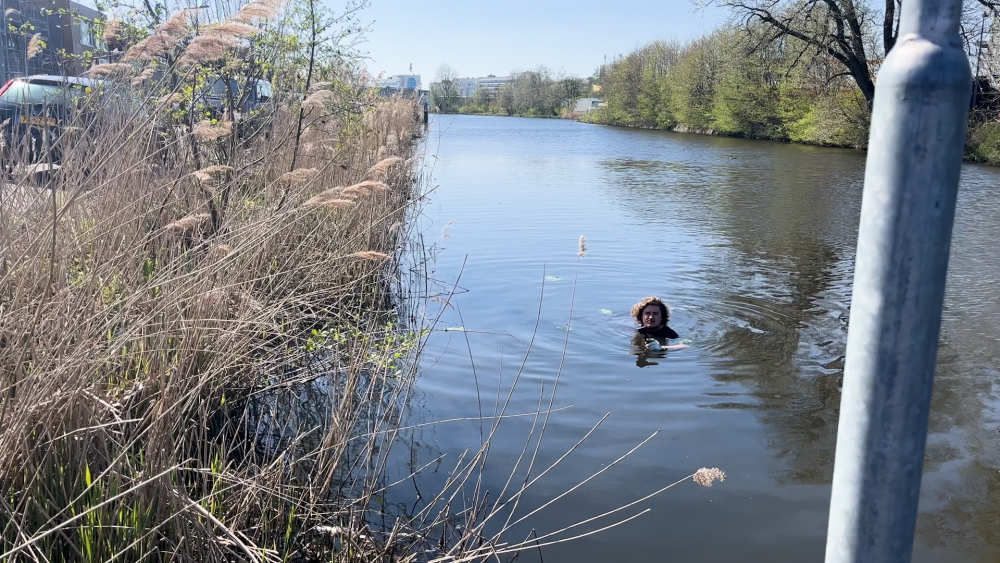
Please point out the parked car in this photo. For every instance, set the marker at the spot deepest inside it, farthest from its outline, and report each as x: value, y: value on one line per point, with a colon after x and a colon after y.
x: 251, y: 98
x: 34, y: 110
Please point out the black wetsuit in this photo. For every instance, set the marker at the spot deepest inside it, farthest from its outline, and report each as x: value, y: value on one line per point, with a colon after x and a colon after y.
x: 664, y: 332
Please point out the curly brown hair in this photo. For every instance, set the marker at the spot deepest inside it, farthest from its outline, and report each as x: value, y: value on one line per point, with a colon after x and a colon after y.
x: 638, y: 307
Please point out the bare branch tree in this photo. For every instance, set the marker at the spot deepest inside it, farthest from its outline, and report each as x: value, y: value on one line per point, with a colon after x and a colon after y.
x: 445, y: 88
x: 839, y: 29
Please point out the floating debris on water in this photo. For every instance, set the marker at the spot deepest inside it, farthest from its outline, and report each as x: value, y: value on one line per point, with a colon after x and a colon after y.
x: 563, y: 327
x: 455, y: 329
x: 552, y: 278
x: 606, y: 311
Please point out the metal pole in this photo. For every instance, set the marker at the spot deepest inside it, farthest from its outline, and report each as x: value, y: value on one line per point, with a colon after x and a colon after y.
x: 911, y: 182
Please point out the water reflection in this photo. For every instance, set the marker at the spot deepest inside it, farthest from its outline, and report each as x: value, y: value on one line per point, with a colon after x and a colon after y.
x: 783, y: 280
x: 779, y: 331
x: 753, y: 244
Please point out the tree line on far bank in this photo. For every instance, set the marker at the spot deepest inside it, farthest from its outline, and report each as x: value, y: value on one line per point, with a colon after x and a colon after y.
x: 790, y: 71
x: 783, y: 70
x: 730, y: 83
x: 530, y: 93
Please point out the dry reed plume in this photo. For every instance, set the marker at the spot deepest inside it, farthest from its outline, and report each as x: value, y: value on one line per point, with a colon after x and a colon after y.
x: 35, y: 45
x: 189, y: 223
x: 258, y: 10
x: 236, y: 29
x: 206, y: 48
x: 209, y: 131
x: 109, y: 69
x: 173, y: 98
x: 705, y: 476
x: 112, y: 29
x: 366, y: 187
x: 370, y: 255
x: 300, y: 176
x: 384, y: 166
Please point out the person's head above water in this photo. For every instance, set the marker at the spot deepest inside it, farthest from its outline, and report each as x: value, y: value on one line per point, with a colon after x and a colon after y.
x: 651, y: 312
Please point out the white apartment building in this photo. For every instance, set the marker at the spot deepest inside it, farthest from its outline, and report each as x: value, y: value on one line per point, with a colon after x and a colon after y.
x: 467, y: 87
x: 401, y: 82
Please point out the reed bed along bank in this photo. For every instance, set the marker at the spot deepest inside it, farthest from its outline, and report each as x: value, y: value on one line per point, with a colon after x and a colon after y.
x: 202, y: 347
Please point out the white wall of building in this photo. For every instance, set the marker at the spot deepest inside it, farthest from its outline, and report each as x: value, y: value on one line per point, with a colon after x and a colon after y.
x: 402, y: 82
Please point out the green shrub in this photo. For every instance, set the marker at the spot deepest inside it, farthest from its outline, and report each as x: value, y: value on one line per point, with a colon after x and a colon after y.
x: 983, y: 142
x: 735, y: 84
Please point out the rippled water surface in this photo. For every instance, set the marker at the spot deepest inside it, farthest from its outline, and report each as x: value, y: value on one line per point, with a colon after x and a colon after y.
x: 753, y: 245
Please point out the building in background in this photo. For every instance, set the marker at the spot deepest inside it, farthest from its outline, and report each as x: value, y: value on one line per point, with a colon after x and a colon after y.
x: 399, y: 83
x: 491, y: 83
x: 49, y: 20
x: 586, y: 105
x: 85, y: 35
x: 66, y: 29
x: 467, y: 87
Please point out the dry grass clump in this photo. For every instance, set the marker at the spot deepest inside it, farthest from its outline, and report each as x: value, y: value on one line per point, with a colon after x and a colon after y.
x: 157, y: 337
x: 209, y: 131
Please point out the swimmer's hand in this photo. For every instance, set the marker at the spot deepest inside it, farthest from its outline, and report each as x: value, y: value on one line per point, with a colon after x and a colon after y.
x: 654, y: 345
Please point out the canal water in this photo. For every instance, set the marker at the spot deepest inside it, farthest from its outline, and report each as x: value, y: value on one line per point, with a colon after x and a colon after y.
x: 752, y: 243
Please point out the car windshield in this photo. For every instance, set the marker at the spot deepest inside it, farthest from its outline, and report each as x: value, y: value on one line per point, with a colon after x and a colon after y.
x: 21, y: 92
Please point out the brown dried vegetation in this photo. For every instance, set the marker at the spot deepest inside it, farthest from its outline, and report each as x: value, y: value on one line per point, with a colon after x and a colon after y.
x: 158, y: 306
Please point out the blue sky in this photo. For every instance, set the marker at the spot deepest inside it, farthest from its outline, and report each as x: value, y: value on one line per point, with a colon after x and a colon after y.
x: 495, y: 37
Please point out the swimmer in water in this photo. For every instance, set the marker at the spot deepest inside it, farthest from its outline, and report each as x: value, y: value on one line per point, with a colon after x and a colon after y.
x: 652, y: 315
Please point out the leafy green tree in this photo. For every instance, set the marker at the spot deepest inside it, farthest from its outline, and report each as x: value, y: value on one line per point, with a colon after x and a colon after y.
x: 746, y: 95
x: 693, y: 81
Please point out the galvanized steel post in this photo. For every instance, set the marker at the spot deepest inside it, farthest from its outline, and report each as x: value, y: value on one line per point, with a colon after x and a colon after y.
x: 907, y: 211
